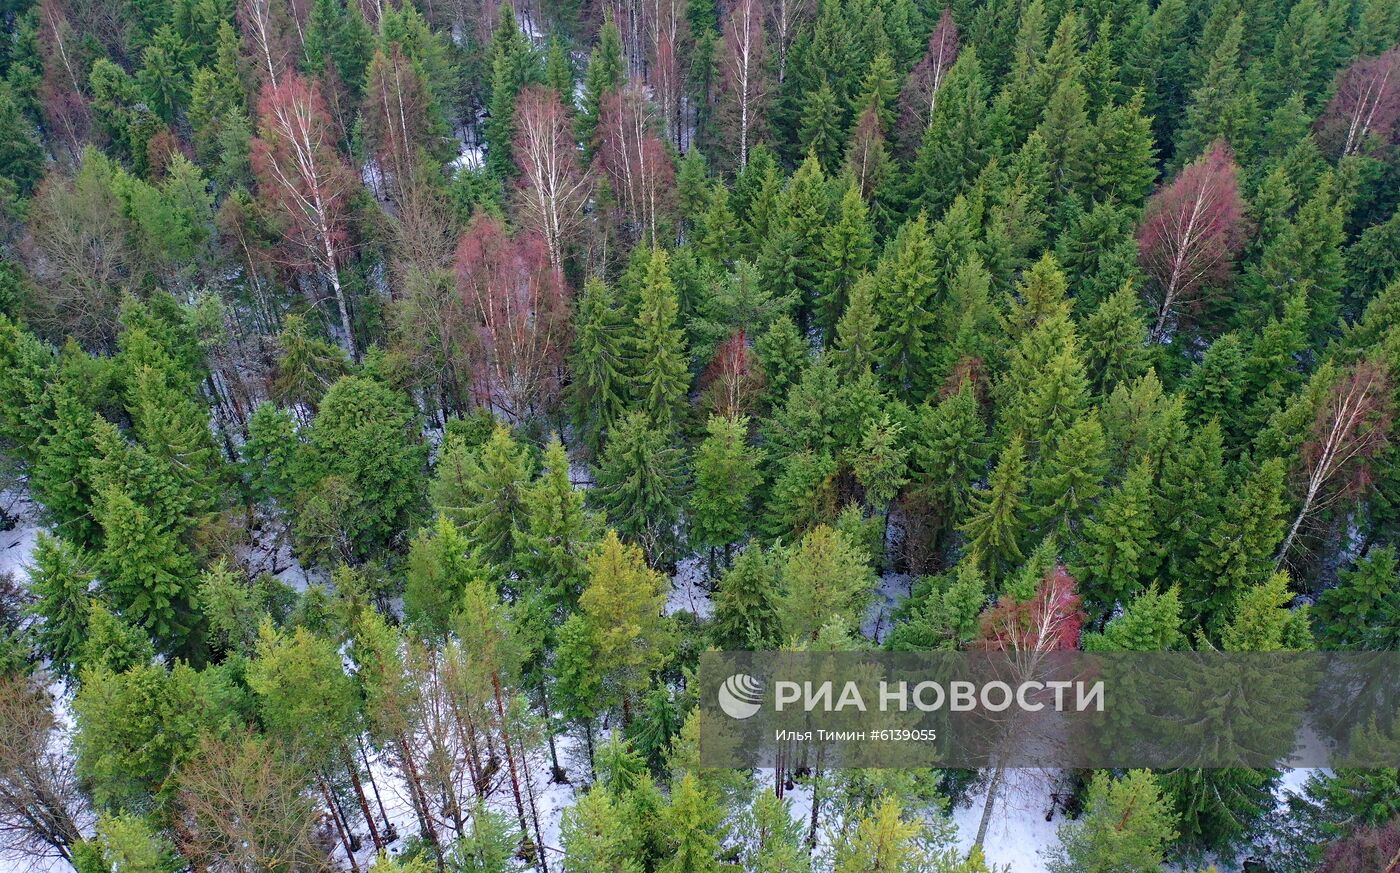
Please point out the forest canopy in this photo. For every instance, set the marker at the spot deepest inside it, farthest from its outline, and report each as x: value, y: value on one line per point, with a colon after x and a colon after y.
x: 396, y: 398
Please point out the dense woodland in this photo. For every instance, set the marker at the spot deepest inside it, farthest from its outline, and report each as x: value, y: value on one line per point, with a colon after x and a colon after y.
x: 501, y: 321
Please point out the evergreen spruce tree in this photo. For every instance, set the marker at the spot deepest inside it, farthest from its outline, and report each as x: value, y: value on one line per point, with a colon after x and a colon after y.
x: 59, y: 479
x: 746, y: 602
x: 771, y: 837
x: 905, y: 304
x: 552, y: 550
x: 1118, y: 556
x: 1150, y: 622
x: 694, y: 821
x: 1068, y: 477
x: 440, y: 565
x: 61, y: 581
x: 824, y: 578
x: 1241, y: 547
x: 1363, y: 611
x: 513, y: 66
x: 363, y: 445
x: 1263, y: 622
x: 493, y: 508
x: 726, y: 472
x: 881, y: 465
x: 559, y: 71
x: 1223, y: 105
x: 1191, y: 498
x: 639, y: 480
x: 1127, y: 827
x: 111, y: 643
x: 821, y: 132
x: 847, y: 251
x: 622, y: 607
x: 657, y: 374
x: 597, y: 394
x: 957, y: 142
x: 1115, y: 341
x: 950, y: 450
x: 147, y: 572
x: 942, y: 612
x: 606, y: 72
x: 882, y: 839
x: 803, y: 494
x: 878, y: 90
x: 783, y: 355
x: 856, y: 331
x: 995, y: 524
x: 1124, y: 159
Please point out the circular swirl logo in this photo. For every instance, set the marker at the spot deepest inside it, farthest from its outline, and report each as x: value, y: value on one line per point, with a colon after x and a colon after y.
x: 741, y: 696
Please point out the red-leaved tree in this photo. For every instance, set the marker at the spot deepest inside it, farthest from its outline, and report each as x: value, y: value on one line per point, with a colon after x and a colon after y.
x: 303, y: 180
x: 1365, y: 105
x: 919, y: 97
x: 553, y: 189
x: 1351, y: 427
x: 518, y: 308
x: 636, y: 161
x: 1191, y: 232
x: 1028, y: 632
x: 743, y: 77
x: 731, y: 383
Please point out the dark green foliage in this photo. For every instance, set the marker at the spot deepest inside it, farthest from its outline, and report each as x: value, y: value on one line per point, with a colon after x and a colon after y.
x: 639, y: 478
x: 362, y: 473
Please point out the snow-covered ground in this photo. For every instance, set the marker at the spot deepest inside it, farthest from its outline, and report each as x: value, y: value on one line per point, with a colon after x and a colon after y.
x: 1019, y: 837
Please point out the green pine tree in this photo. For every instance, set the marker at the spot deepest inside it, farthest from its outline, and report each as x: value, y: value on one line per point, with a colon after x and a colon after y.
x: 746, y: 602
x: 61, y: 580
x: 848, y: 250
x: 726, y: 472
x: 1127, y: 826
x: 657, y: 376
x: 1118, y: 556
x: 513, y: 66
x: 996, y: 521
x: 639, y: 480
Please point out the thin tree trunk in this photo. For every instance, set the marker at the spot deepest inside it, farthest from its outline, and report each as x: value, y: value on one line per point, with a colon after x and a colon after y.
x: 390, y: 832
x: 339, y: 825
x: 364, y: 802
x: 987, y: 805
x: 510, y: 753
x: 534, y: 812
x: 420, y: 801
